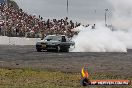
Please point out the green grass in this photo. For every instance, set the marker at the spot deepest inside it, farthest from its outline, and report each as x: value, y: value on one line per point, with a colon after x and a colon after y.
x: 28, y: 78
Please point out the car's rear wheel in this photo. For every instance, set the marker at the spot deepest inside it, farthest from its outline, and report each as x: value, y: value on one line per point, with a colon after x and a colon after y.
x: 66, y: 50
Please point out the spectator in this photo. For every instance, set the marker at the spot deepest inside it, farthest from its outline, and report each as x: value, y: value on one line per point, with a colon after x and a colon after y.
x: 18, y: 23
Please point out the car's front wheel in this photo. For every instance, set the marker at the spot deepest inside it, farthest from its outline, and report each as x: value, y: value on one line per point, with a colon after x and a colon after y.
x: 39, y: 50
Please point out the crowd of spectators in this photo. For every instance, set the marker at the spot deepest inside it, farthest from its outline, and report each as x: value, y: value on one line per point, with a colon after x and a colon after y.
x: 20, y: 24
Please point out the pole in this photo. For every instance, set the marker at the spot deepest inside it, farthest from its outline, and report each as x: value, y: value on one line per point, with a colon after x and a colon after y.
x: 67, y: 14
x: 106, y: 17
x: 67, y: 7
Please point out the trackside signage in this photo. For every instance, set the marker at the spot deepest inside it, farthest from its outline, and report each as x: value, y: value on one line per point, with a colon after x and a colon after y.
x: 85, y: 80
x: 110, y: 82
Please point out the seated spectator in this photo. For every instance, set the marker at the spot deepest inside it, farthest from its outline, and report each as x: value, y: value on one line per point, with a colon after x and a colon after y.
x: 19, y: 23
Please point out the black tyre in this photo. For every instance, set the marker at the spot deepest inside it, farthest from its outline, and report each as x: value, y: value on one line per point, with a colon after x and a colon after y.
x: 48, y: 50
x: 38, y: 50
x: 66, y: 50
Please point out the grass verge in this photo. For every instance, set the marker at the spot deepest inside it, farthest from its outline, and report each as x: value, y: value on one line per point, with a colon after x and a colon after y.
x: 28, y: 78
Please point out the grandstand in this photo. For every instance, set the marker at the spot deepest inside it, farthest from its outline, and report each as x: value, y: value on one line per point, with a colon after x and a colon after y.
x: 20, y: 24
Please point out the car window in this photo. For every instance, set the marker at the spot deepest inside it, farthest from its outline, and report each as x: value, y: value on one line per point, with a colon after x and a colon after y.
x: 56, y: 38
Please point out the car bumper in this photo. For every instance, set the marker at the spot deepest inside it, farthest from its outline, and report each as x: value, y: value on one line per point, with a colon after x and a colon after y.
x: 50, y: 47
x: 46, y: 47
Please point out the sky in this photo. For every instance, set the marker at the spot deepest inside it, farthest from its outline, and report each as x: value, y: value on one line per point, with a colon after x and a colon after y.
x: 84, y: 11
x: 1, y: 1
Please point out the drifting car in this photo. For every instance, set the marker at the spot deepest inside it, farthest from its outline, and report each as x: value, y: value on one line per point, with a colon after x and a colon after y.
x: 55, y: 42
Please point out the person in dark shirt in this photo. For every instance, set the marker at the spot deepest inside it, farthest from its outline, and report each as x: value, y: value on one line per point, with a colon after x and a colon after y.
x: 63, y: 39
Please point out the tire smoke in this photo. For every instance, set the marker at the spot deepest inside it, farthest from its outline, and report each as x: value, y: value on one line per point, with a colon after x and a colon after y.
x: 102, y: 39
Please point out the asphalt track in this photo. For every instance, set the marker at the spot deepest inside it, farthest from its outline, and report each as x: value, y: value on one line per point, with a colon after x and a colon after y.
x: 28, y: 57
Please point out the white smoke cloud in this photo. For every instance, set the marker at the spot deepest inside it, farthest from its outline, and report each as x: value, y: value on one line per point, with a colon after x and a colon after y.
x: 121, y: 4
x: 102, y: 39
x: 122, y: 18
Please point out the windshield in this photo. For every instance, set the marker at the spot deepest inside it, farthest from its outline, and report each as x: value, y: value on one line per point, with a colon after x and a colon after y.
x: 55, y: 38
